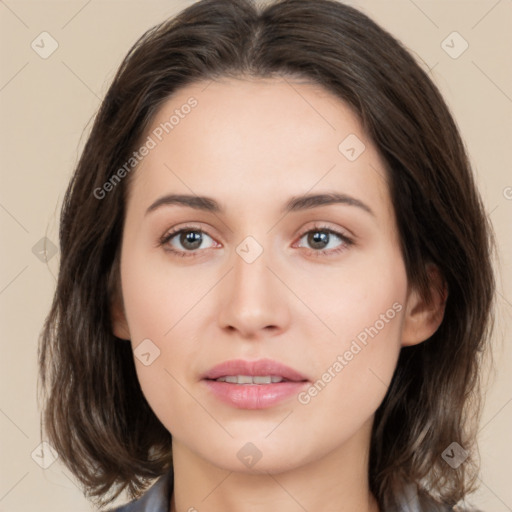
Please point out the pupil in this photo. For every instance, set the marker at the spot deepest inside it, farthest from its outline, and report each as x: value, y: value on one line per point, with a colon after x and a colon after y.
x: 191, y: 237
x: 319, y: 237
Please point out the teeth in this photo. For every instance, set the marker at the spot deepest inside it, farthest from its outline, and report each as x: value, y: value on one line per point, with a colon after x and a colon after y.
x: 262, y: 380
x: 249, y: 379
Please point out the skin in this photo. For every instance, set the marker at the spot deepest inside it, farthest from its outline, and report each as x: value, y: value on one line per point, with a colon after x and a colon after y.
x: 251, y: 144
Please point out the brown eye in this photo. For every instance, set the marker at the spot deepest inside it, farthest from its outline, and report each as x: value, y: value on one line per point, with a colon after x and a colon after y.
x: 318, y: 239
x: 185, y: 240
x: 190, y: 240
x: 323, y: 240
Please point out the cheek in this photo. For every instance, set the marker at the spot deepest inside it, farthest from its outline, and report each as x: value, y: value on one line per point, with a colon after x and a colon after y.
x: 361, y: 366
x: 162, y: 309
x: 157, y: 295
x: 355, y: 362
x: 369, y: 289
x: 353, y: 374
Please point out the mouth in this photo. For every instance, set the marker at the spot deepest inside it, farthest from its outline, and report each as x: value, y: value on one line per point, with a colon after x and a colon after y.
x: 261, y: 371
x: 251, y: 379
x: 253, y: 384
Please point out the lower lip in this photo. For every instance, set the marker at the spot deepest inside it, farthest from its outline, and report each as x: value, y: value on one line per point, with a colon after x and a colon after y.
x: 254, y: 396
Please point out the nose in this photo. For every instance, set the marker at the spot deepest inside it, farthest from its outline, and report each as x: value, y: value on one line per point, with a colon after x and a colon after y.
x: 254, y: 298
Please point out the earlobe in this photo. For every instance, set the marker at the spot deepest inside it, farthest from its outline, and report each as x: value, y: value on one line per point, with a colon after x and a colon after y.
x: 423, y: 318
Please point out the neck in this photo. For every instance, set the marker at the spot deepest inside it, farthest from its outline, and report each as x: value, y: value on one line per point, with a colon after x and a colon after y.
x: 338, y: 481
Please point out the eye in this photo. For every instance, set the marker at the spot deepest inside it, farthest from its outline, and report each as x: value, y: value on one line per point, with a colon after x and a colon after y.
x: 185, y: 240
x: 322, y: 239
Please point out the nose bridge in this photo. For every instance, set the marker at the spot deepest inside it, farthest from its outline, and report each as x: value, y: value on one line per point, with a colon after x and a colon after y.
x: 253, y: 300
x: 251, y: 275
x: 250, y: 267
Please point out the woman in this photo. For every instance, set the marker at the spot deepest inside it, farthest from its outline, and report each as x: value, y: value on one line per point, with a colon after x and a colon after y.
x: 318, y: 345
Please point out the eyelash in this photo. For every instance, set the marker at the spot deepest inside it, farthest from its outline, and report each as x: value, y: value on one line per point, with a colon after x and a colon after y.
x: 347, y: 242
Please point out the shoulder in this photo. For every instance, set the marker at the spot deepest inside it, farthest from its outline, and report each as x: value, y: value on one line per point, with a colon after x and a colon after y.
x: 156, y: 499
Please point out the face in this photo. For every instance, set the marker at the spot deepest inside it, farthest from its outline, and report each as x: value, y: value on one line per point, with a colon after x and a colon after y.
x: 260, y: 278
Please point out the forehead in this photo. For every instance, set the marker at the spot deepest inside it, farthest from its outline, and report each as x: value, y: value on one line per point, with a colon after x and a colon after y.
x: 251, y: 139
x: 251, y: 114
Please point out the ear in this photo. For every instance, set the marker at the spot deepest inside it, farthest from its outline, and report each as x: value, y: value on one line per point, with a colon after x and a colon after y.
x: 117, y: 314
x: 422, y: 318
x: 118, y: 321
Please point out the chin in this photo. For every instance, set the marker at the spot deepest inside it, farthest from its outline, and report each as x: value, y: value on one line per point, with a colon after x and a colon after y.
x: 257, y: 454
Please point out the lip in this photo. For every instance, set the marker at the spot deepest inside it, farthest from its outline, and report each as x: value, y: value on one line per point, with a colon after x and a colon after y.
x: 254, y: 396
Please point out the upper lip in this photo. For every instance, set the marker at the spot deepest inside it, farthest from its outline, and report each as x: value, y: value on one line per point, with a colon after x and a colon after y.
x: 261, y: 367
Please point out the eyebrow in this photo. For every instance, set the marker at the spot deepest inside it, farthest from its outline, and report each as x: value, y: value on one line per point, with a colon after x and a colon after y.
x: 294, y: 204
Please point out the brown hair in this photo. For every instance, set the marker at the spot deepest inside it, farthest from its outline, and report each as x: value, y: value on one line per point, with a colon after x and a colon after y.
x: 94, y: 412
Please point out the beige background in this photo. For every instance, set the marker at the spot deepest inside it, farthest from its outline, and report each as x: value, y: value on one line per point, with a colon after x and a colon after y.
x: 47, y: 103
